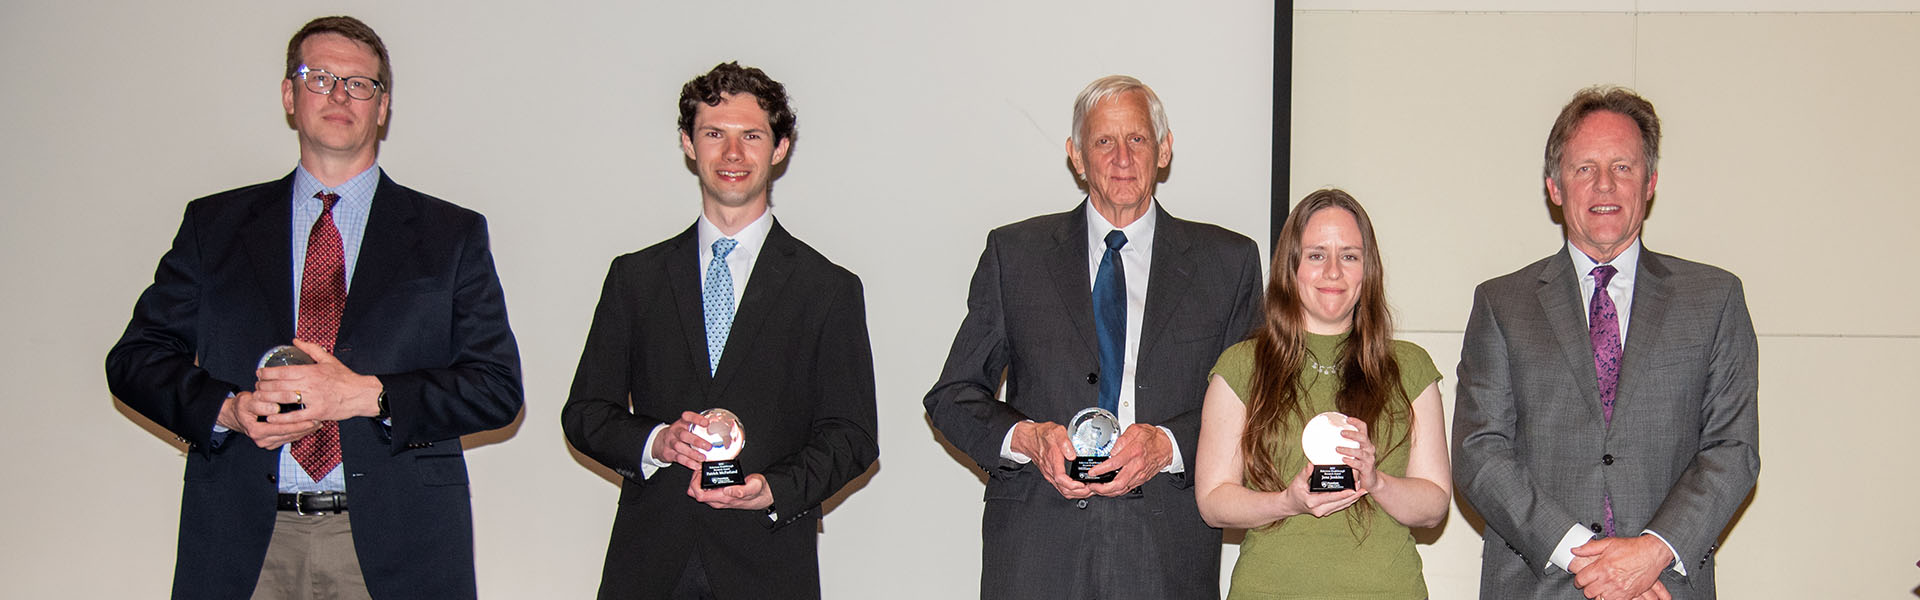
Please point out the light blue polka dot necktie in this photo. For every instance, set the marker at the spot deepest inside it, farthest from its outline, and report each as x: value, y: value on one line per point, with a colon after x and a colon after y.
x: 717, y: 301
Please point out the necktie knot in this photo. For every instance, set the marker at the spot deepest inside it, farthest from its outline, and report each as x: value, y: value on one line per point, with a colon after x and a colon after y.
x: 724, y: 246
x: 1116, y: 239
x: 1602, y: 275
x: 327, y: 200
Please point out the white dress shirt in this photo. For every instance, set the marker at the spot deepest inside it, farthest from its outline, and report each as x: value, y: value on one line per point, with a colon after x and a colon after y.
x: 749, y: 240
x: 1620, y: 289
x: 1137, y: 259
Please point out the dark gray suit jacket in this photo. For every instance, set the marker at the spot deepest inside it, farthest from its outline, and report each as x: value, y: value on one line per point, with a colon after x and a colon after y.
x: 1533, y: 454
x: 1030, y: 317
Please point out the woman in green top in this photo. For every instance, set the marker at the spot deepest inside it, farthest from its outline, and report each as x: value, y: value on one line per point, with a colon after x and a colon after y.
x: 1325, y: 345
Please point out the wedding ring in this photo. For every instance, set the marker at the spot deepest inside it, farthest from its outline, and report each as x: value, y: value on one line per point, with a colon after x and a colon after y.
x: 297, y: 399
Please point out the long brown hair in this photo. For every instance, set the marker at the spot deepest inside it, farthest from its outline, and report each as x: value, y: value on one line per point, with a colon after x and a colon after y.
x: 1369, y: 375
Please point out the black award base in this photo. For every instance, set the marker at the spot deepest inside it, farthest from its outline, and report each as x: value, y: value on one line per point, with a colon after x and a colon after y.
x: 1330, y: 478
x: 1077, y: 469
x: 720, y: 473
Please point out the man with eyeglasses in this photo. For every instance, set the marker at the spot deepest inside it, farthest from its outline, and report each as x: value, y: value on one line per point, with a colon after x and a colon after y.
x: 343, y: 478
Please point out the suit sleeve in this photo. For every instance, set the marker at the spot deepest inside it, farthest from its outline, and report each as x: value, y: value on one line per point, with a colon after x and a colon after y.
x: 480, y: 389
x: 842, y: 443
x: 1485, y: 466
x: 964, y: 404
x: 597, y: 418
x: 1724, y: 468
x: 153, y: 368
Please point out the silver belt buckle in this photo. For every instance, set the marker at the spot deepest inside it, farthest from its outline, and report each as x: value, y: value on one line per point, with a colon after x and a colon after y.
x: 300, y: 503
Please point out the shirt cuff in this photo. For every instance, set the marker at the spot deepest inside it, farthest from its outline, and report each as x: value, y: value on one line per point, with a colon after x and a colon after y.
x: 1679, y: 566
x: 1178, y: 464
x: 1006, y: 446
x: 648, y: 464
x: 1563, y: 554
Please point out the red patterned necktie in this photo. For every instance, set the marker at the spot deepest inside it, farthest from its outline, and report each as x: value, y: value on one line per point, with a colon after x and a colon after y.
x: 323, y: 294
x: 1603, y: 325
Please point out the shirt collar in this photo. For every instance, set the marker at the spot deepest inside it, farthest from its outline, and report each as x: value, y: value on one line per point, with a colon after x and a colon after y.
x: 356, y: 193
x: 749, y: 238
x: 1626, y: 264
x: 1139, y: 232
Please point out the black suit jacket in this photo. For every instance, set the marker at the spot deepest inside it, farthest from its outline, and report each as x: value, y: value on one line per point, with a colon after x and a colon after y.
x: 424, y: 312
x: 797, y: 369
x: 1030, y: 316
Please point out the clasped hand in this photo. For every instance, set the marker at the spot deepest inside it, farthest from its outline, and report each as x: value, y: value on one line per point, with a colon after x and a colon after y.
x: 1621, y: 568
x: 326, y: 391
x: 1139, y: 454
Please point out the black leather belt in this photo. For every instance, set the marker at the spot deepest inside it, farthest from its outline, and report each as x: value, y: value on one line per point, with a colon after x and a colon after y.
x: 314, y: 503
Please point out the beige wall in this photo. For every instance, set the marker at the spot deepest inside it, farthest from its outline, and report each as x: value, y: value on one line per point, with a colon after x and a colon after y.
x: 921, y: 128
x: 1787, y: 158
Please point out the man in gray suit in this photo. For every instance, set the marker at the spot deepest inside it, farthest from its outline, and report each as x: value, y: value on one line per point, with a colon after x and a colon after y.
x: 1628, y: 415
x: 1115, y: 304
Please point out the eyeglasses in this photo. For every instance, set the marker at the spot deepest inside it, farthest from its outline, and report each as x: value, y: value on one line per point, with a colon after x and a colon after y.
x: 321, y: 82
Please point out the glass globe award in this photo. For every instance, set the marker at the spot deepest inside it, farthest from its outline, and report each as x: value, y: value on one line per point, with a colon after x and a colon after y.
x: 1093, y: 432
x: 1319, y: 440
x: 723, y: 430
x: 283, y: 356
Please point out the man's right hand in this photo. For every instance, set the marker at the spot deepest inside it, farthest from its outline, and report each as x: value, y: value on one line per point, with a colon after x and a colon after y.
x: 242, y: 411
x: 1048, y: 446
x: 678, y: 444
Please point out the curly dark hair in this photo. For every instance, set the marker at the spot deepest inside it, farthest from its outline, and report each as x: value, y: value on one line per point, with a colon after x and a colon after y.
x: 731, y: 78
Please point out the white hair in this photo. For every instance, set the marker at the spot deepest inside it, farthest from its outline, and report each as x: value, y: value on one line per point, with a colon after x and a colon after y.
x: 1112, y: 85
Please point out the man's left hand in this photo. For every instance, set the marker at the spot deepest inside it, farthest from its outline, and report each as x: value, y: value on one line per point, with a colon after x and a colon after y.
x: 1619, y: 567
x: 330, y: 390
x: 752, y: 495
x: 1140, y: 453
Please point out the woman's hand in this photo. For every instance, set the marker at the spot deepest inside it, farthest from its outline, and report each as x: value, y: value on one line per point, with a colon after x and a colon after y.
x: 1297, y: 500
x: 1366, y: 472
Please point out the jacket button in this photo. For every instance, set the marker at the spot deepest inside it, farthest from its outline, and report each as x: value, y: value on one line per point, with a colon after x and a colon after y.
x: 1093, y: 378
x: 1595, y: 528
x: 1606, y: 460
x: 1082, y: 504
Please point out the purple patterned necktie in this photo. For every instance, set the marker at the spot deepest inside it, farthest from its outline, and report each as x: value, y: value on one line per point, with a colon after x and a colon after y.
x: 1603, y: 327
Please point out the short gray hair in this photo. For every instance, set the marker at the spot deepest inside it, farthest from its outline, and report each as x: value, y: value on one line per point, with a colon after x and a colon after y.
x: 1112, y: 85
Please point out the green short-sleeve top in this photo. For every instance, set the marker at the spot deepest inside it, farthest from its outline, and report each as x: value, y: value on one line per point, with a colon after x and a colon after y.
x: 1341, y: 555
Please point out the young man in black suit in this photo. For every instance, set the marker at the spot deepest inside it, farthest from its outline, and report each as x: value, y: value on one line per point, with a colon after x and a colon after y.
x: 733, y: 313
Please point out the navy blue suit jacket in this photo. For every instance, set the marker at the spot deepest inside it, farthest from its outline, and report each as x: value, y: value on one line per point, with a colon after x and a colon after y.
x: 424, y: 313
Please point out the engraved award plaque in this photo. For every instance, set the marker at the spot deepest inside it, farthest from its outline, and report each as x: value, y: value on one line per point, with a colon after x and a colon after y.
x: 1318, y: 440
x: 1093, y: 431
x: 724, y: 431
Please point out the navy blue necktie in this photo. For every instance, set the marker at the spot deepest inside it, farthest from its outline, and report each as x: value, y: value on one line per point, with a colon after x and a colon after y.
x: 1110, y: 319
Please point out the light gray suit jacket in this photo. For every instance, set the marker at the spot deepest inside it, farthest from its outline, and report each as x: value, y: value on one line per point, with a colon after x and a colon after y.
x: 1030, y: 317
x: 1533, y: 455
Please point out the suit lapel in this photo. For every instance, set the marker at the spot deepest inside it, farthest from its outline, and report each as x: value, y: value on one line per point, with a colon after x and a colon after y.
x: 1651, y: 297
x: 1168, y: 279
x: 1559, y: 295
x: 683, y: 282
x: 386, y: 252
x: 1067, y: 263
x: 766, y: 286
x: 269, y: 242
